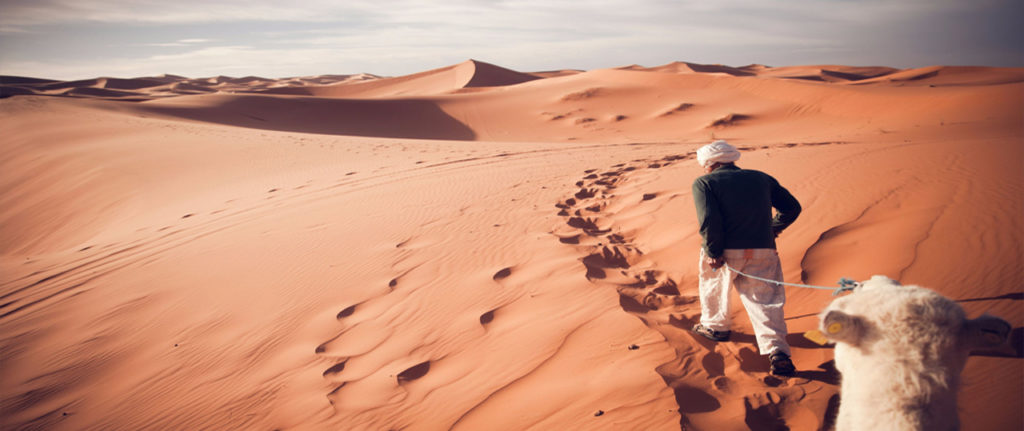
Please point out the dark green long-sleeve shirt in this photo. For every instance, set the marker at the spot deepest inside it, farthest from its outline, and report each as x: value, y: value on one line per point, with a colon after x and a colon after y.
x: 734, y: 209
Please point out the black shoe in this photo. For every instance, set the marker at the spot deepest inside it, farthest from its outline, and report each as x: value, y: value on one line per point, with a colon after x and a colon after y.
x: 781, y: 364
x: 711, y: 334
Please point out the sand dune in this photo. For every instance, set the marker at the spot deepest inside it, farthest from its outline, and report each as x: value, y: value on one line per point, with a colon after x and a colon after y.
x: 595, y: 106
x: 825, y: 73
x: 684, y: 67
x: 556, y: 73
x: 468, y: 74
x: 476, y: 248
x: 152, y: 87
x: 14, y: 80
x: 952, y: 75
x: 408, y: 118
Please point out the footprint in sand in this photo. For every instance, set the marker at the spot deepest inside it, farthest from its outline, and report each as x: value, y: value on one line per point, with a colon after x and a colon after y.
x: 669, y: 288
x: 722, y: 383
x: 586, y: 193
x: 575, y: 239
x: 588, y: 225
x: 752, y: 362
x: 694, y: 400
x: 502, y: 274
x: 630, y: 304
x: 487, y: 317
x: 608, y: 258
x: 714, y: 363
x: 335, y: 369
x: 346, y: 312
x: 771, y: 410
x: 415, y: 372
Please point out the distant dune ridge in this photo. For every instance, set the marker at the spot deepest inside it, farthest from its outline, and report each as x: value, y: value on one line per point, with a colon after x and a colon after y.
x: 473, y: 247
x: 474, y: 73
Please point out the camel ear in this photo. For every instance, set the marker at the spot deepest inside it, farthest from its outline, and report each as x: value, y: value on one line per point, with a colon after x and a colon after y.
x: 839, y: 326
x: 986, y: 332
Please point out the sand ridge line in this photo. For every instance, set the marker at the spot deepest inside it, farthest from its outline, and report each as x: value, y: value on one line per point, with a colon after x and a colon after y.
x: 961, y: 189
x: 834, y: 230
x: 910, y: 192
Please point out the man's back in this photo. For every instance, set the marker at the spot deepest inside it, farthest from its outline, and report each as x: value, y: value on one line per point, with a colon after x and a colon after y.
x: 734, y: 209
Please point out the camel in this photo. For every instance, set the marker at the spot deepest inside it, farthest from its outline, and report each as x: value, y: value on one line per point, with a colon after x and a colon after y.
x: 900, y: 350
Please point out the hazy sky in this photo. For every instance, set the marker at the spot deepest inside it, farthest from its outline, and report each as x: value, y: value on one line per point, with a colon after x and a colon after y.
x: 67, y: 39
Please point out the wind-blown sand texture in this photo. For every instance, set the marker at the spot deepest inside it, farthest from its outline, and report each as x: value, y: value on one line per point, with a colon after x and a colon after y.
x: 477, y: 248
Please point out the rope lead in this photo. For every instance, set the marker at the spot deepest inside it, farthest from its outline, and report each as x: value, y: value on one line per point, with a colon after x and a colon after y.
x: 845, y: 284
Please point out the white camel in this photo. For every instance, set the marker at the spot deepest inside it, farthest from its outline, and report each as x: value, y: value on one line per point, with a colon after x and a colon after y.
x: 901, y: 350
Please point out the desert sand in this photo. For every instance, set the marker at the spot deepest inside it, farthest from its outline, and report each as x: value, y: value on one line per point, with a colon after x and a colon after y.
x: 474, y: 247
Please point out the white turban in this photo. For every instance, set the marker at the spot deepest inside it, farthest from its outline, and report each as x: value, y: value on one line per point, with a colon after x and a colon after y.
x: 717, y: 152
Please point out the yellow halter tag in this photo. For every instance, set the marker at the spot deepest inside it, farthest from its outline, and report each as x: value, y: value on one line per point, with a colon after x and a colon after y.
x: 816, y: 336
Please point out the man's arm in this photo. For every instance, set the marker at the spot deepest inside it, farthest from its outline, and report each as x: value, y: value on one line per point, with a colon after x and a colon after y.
x: 709, y: 219
x: 787, y: 207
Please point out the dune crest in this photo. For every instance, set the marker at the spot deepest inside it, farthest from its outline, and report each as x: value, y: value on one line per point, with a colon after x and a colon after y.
x: 468, y: 74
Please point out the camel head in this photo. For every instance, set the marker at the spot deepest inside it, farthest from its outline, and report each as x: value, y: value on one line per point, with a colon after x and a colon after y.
x: 908, y: 317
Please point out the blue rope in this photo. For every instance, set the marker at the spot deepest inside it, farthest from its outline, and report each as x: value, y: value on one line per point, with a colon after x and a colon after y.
x: 845, y: 284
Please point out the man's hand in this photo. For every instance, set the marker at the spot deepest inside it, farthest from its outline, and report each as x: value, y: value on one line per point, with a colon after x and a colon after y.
x: 715, y: 262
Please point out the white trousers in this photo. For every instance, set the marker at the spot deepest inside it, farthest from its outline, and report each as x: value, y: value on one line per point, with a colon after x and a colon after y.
x: 763, y: 301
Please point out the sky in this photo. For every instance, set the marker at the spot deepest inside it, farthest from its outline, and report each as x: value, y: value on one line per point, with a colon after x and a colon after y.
x: 78, y: 39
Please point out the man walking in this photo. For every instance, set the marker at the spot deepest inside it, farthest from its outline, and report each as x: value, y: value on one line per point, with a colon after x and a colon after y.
x: 734, y: 211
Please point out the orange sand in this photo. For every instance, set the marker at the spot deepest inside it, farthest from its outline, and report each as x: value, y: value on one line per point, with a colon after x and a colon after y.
x: 476, y: 248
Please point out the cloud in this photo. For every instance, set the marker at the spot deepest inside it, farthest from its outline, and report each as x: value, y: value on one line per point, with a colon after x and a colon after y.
x: 403, y: 36
x: 43, y: 12
x: 234, y: 60
x: 180, y: 42
x: 28, y: 13
x: 12, y: 29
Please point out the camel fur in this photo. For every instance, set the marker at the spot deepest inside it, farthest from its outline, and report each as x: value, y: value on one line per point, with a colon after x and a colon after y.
x: 901, y: 350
